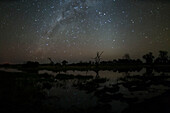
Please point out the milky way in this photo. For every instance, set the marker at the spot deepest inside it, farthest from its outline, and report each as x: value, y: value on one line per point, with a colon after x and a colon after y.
x: 76, y: 29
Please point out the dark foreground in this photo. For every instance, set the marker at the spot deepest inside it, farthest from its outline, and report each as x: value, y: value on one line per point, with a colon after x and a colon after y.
x: 24, y: 92
x: 158, y: 104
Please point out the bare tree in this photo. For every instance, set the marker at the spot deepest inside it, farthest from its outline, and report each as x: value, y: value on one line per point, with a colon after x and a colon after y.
x: 51, y: 62
x: 98, y: 58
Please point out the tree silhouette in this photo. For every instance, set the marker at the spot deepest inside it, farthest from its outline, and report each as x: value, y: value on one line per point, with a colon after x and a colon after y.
x: 51, y: 62
x: 149, y: 58
x: 31, y: 64
x: 162, y: 58
x: 64, y: 62
x: 98, y: 58
x: 126, y: 56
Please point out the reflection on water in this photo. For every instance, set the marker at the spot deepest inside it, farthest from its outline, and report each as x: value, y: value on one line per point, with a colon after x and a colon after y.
x: 74, y: 91
x: 48, y: 72
x: 9, y: 70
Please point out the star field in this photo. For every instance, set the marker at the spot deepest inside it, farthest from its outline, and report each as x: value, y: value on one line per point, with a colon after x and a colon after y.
x: 76, y: 29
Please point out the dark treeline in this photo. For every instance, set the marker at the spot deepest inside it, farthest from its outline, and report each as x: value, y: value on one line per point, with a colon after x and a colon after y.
x: 148, y: 59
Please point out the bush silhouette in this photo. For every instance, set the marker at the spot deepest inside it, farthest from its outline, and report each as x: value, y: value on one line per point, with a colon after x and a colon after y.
x: 64, y: 62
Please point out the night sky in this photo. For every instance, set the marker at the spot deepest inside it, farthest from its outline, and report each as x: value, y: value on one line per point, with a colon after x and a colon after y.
x: 75, y: 30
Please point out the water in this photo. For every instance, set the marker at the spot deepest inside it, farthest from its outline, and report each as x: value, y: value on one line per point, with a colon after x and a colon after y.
x: 88, y: 90
x: 76, y: 96
x: 9, y: 70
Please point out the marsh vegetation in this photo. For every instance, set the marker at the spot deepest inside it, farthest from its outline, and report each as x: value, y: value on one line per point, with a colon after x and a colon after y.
x: 119, y: 86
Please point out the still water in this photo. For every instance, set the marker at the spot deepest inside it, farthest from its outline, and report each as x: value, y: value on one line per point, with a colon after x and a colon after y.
x: 88, y: 90
x: 83, y: 98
